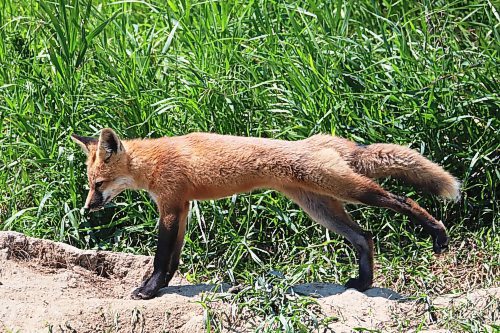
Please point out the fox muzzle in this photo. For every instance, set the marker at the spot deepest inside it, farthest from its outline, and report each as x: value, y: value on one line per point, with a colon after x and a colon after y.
x: 94, y: 201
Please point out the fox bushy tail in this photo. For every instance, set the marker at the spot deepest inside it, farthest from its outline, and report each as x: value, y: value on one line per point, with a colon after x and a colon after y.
x: 383, y: 160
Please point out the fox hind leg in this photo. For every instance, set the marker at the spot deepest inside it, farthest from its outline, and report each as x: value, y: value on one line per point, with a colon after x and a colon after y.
x: 417, y: 214
x: 349, y: 186
x: 330, y: 213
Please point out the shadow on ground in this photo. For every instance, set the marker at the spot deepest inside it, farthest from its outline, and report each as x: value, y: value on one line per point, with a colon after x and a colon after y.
x: 319, y: 290
x: 193, y: 290
x: 316, y: 290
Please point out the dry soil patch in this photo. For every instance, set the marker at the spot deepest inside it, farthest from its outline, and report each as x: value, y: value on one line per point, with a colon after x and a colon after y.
x: 46, y: 285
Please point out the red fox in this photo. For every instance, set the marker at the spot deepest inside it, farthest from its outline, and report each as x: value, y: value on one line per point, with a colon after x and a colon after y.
x: 319, y: 173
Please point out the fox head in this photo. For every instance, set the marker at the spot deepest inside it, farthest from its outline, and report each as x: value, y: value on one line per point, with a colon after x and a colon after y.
x: 107, y: 167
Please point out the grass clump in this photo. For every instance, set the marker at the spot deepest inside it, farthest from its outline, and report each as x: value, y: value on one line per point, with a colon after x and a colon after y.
x: 267, y: 304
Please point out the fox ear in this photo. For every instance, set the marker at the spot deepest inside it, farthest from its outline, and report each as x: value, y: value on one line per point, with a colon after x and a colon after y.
x: 84, y: 142
x: 109, y: 144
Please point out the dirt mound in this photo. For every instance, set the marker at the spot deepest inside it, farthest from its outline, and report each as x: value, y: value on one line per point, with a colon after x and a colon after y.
x: 49, y: 286
x: 53, y: 285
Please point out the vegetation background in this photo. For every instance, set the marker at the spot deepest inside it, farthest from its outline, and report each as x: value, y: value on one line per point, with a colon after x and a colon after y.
x: 418, y: 73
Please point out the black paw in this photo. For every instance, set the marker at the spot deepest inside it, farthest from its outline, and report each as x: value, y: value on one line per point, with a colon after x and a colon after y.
x: 440, y: 244
x: 143, y: 293
x: 358, y: 284
x: 149, y: 288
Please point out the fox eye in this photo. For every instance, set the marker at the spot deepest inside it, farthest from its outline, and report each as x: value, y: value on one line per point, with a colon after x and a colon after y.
x: 98, y: 184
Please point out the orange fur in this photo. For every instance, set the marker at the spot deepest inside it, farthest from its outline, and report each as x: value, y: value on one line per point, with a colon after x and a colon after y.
x: 319, y: 173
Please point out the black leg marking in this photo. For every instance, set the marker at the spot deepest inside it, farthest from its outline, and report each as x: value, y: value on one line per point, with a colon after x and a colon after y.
x: 413, y: 210
x: 158, y: 279
x: 365, y: 251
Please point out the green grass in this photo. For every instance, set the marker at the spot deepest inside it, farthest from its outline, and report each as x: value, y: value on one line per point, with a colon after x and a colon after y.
x: 423, y: 74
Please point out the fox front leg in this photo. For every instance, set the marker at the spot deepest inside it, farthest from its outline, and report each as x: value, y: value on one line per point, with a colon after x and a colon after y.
x: 167, y: 236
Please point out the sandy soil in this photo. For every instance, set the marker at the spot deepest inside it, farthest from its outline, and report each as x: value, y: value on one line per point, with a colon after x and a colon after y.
x: 48, y: 286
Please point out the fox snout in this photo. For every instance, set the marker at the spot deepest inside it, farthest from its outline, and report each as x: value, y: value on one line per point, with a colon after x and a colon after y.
x: 95, y: 201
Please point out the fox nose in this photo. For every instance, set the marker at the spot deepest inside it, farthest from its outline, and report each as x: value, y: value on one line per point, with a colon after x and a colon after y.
x: 94, y: 200
x: 86, y: 208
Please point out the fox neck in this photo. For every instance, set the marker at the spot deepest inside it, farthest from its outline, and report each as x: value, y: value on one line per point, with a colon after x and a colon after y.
x: 140, y: 166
